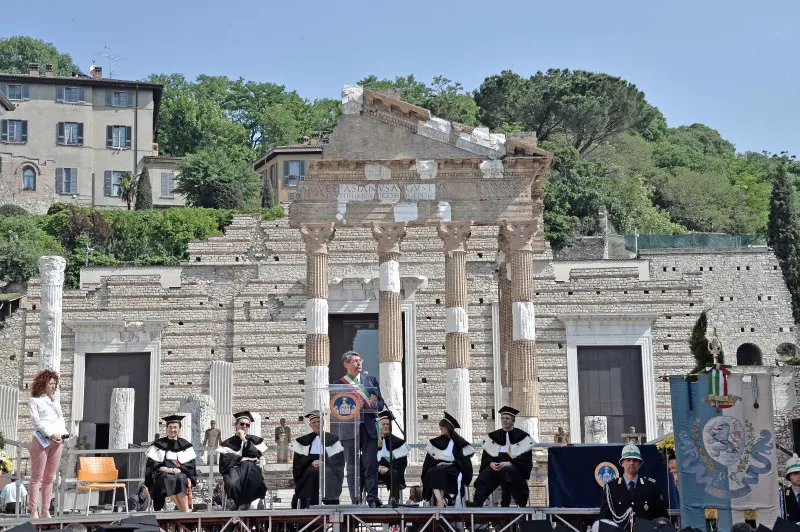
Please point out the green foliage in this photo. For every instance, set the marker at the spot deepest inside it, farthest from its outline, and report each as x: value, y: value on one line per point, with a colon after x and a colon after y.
x: 698, y: 345
x: 127, y: 188
x: 9, y: 209
x: 22, y: 242
x: 16, y: 52
x: 783, y: 233
x: 211, y: 178
x: 144, y: 192
x: 267, y: 194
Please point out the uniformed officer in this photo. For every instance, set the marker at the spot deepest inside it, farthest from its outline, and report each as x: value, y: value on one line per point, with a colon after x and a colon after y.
x: 792, y: 494
x: 632, y: 496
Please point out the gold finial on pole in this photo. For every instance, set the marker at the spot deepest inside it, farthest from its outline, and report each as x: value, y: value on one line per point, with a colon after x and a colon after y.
x: 715, y: 346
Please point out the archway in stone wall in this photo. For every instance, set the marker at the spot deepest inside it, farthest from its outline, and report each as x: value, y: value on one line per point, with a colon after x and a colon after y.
x: 748, y: 355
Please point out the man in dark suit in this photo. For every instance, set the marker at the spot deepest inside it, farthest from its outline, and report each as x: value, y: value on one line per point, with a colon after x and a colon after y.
x: 792, y: 495
x: 367, y: 388
x: 632, y: 496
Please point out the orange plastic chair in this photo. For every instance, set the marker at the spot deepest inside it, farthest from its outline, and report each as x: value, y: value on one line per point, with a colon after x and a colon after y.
x: 99, y: 473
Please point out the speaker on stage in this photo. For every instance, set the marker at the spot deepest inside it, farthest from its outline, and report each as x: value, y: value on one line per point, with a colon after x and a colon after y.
x: 137, y: 523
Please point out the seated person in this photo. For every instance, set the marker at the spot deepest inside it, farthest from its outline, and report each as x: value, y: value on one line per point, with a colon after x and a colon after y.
x: 392, y: 458
x: 239, y: 463
x: 308, y: 460
x: 170, y: 467
x: 141, y: 501
x: 447, y: 469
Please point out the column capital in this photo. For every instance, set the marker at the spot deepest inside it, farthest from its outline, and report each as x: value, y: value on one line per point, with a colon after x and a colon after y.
x: 389, y: 236
x: 519, y: 236
x: 317, y: 237
x: 454, y: 235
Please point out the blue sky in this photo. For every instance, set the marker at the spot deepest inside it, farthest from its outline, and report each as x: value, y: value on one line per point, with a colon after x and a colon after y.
x: 728, y: 64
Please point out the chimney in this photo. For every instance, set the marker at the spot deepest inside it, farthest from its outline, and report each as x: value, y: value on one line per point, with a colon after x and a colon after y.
x: 96, y: 72
x: 155, y: 149
x: 33, y: 69
x: 48, y: 71
x: 314, y: 138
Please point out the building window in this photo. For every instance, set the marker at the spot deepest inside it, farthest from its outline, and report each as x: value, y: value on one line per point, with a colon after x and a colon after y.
x: 118, y: 137
x: 273, y: 176
x: 69, y: 134
x: 28, y: 178
x: 67, y: 180
x: 293, y: 173
x: 14, y: 131
x: 167, y: 184
x: 73, y: 94
x: 111, y: 182
x: 15, y: 92
x: 120, y: 99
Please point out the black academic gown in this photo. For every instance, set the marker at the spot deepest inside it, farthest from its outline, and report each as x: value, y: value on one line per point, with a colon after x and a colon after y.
x: 647, y: 501
x: 513, y: 479
x: 164, y: 452
x: 306, y: 476
x: 791, y: 507
x: 243, y: 480
x: 445, y: 476
x: 394, y: 455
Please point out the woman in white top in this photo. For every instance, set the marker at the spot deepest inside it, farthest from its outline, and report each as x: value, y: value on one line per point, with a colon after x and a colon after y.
x: 49, y: 431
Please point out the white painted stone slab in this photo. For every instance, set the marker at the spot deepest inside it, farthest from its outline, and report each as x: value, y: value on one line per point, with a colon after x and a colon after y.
x: 352, y: 99
x: 524, y: 319
x: 390, y: 276
x: 317, y: 316
x: 456, y: 320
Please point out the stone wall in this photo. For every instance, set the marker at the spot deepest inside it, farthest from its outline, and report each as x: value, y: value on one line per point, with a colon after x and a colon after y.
x: 34, y: 201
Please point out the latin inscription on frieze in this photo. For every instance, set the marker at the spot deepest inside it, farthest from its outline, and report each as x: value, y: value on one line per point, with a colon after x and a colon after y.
x: 389, y: 193
x: 420, y: 192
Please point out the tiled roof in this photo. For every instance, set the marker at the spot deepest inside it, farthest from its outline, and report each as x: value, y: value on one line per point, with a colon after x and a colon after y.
x: 293, y: 148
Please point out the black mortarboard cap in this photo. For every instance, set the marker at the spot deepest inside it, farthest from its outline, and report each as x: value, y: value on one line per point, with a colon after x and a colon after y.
x: 784, y: 525
x: 173, y: 419
x: 137, y: 523
x: 386, y: 414
x: 27, y: 526
x: 762, y: 528
x: 314, y: 414
x: 508, y: 410
x: 537, y: 525
x: 451, y: 421
x: 605, y: 526
x: 246, y: 414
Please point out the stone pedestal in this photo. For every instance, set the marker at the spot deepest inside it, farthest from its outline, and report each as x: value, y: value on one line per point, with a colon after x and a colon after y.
x: 202, y: 409
x: 459, y: 403
x: 121, y: 422
x: 221, y: 389
x: 318, y: 345
x: 51, y: 274
x: 186, y: 426
x: 596, y: 429
x: 390, y: 325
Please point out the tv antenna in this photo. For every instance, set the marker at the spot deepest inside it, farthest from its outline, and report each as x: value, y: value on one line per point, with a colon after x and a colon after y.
x: 110, y: 60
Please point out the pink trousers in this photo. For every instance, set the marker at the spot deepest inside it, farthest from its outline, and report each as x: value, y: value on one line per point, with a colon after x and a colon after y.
x: 44, y: 464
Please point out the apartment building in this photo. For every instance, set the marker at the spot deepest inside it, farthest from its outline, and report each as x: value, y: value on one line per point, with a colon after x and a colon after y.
x: 285, y: 166
x: 70, y: 139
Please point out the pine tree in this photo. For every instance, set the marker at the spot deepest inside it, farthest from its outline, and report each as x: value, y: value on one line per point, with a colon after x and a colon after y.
x: 144, y: 192
x: 782, y: 234
x: 698, y: 344
x: 267, y: 195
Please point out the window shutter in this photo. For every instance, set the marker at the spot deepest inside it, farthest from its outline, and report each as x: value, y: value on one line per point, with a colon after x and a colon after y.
x: 302, y: 168
x: 4, y: 89
x: 107, y: 183
x: 81, y: 94
x: 170, y: 184
x: 109, y: 98
x: 73, y: 181
x: 109, y: 136
x: 60, y: 133
x: 24, y: 131
x: 128, y: 130
x: 80, y: 134
x: 59, y: 94
x: 164, y: 177
x: 26, y: 92
x: 285, y: 172
x: 131, y: 99
x: 60, y: 180
x: 4, y: 130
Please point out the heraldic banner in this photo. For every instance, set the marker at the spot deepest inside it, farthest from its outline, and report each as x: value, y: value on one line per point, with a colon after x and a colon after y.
x: 725, y: 447
x: 576, y: 474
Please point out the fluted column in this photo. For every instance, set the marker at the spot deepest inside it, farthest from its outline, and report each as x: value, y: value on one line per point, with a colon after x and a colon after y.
x: 454, y: 237
x: 121, y: 422
x: 51, y: 275
x: 221, y: 389
x: 505, y: 319
x: 390, y: 325
x: 318, y: 345
x: 522, y: 361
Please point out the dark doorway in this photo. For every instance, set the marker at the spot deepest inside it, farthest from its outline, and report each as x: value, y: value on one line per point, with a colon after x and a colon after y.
x: 356, y: 332
x: 748, y: 355
x: 610, y: 384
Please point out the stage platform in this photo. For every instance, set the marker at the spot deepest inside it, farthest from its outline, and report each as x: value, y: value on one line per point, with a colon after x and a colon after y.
x: 324, y: 518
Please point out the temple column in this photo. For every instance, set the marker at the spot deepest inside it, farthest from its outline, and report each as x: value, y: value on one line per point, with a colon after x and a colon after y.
x: 522, y: 361
x: 121, y: 422
x: 51, y: 275
x: 505, y: 319
x: 454, y: 237
x: 390, y: 323
x: 220, y: 387
x: 318, y: 345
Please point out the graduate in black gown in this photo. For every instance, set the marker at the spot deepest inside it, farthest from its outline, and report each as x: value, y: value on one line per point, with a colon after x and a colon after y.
x: 447, y: 468
x: 506, y: 461
x: 392, y: 458
x: 239, y: 463
x: 306, y: 463
x: 170, y: 467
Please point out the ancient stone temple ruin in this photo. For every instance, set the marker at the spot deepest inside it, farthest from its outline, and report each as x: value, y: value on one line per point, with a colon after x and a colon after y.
x: 419, y: 243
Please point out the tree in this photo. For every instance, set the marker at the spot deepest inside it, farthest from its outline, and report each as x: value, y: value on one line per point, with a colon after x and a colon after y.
x: 127, y: 188
x: 9, y: 209
x: 16, y: 52
x: 587, y: 108
x: 22, y: 242
x: 698, y: 344
x: 210, y: 178
x: 782, y: 233
x: 267, y: 195
x: 144, y: 192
